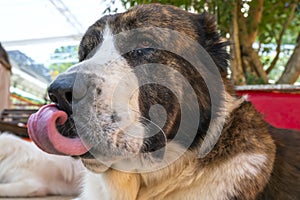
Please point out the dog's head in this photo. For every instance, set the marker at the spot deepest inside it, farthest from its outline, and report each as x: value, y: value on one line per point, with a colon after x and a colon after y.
x: 148, y: 80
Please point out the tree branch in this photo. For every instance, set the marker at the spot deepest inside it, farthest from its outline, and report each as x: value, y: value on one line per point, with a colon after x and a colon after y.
x: 292, y: 69
x: 279, y: 40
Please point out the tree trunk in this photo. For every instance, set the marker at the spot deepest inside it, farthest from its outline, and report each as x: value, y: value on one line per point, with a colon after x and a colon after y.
x: 236, y: 62
x: 292, y: 69
x: 253, y: 60
x: 244, y: 40
x: 254, y: 18
x: 252, y: 65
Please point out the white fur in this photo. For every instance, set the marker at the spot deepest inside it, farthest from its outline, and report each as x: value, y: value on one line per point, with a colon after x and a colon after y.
x: 25, y: 170
x: 218, y: 182
x: 93, y: 187
x: 120, y: 86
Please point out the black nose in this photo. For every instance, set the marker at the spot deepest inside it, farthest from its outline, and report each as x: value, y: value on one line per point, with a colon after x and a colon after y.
x: 60, y: 92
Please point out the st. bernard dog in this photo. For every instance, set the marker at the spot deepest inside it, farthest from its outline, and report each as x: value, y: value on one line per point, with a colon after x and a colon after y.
x: 151, y: 113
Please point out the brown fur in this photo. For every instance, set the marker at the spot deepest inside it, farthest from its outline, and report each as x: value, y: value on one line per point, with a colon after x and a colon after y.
x: 285, y: 178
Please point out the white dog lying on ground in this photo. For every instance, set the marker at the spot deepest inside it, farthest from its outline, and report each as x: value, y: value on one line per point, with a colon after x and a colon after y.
x: 26, y: 171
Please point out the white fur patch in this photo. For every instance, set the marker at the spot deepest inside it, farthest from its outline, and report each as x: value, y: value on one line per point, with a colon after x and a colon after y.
x: 93, y: 187
x: 25, y: 170
x: 225, y: 179
x: 119, y: 83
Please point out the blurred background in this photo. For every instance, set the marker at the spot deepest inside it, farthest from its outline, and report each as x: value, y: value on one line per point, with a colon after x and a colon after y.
x: 41, y: 39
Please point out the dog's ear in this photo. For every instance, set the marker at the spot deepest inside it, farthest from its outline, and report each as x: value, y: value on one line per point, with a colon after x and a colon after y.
x: 92, y: 38
x: 211, y: 40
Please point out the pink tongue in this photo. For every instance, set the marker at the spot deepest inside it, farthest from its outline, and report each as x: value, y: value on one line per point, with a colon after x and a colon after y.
x: 42, y: 130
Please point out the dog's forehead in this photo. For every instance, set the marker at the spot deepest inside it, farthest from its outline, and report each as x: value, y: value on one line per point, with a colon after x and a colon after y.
x: 143, y: 16
x: 152, y: 15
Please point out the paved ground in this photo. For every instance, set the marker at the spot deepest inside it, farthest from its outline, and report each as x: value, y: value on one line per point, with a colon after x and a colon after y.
x: 39, y: 198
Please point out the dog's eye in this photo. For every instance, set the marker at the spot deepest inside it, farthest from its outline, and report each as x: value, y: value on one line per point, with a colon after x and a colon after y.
x: 144, y: 44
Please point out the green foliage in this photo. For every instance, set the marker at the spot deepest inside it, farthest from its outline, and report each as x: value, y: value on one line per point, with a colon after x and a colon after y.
x: 219, y: 8
x: 253, y: 80
x: 275, y: 15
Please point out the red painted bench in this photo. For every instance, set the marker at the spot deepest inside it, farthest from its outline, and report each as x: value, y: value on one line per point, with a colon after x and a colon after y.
x: 280, y: 104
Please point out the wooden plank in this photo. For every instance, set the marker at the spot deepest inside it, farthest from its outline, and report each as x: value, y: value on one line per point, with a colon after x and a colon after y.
x: 13, y: 128
x: 15, y: 121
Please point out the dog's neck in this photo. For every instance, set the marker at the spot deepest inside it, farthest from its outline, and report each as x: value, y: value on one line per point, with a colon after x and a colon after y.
x: 121, y: 185
x: 131, y: 186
